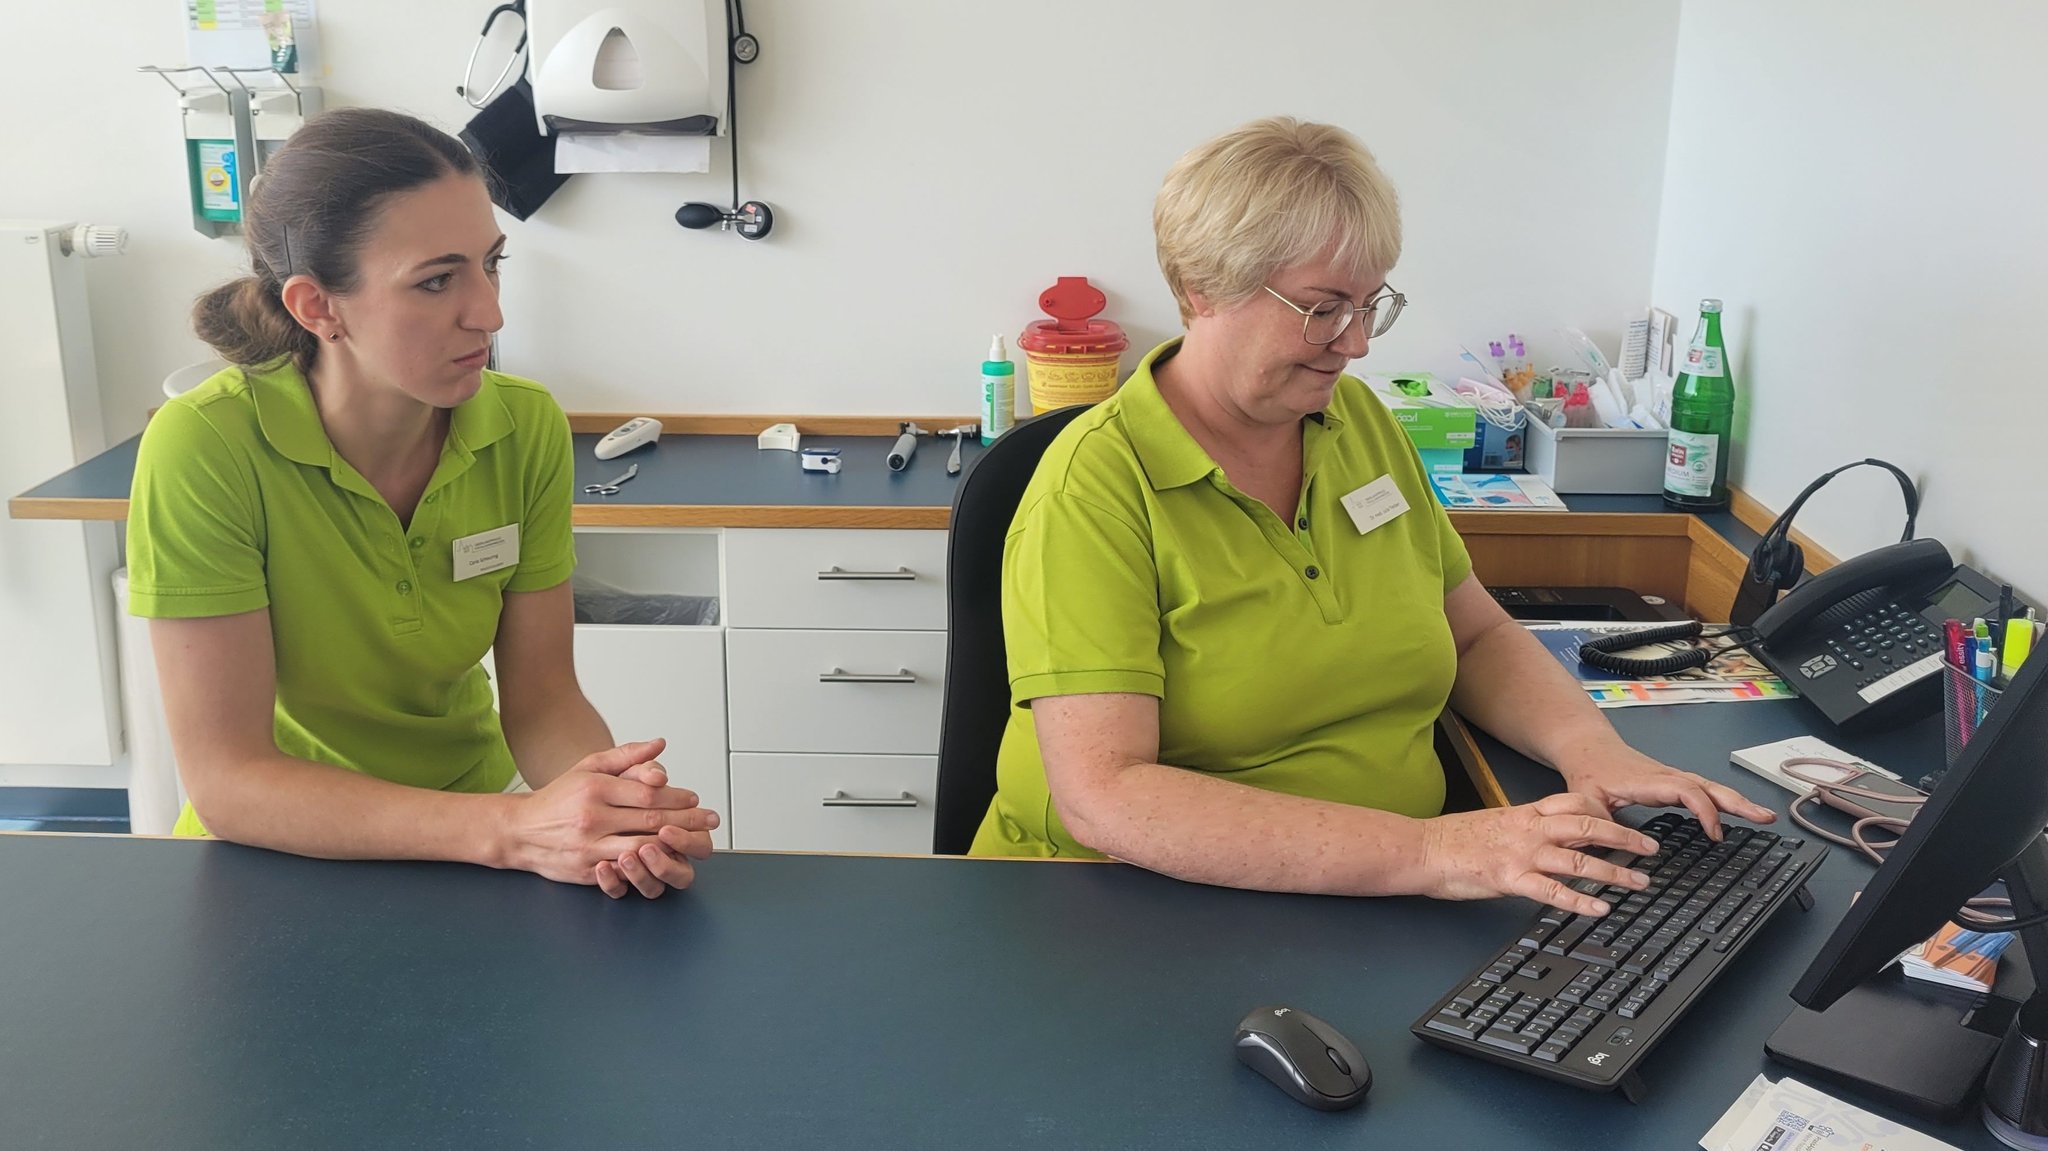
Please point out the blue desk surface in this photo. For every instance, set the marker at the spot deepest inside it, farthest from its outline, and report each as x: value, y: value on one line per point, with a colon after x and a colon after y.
x: 681, y: 470
x: 203, y: 995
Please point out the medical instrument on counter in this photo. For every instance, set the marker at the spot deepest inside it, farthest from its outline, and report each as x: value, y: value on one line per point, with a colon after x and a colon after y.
x: 612, y: 488
x: 821, y: 460
x: 905, y: 446
x: 634, y: 433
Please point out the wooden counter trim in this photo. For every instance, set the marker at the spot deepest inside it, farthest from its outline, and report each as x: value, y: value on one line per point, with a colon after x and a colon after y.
x: 21, y: 508
x: 1484, y: 523
x: 1758, y: 518
x: 757, y: 516
x: 751, y: 425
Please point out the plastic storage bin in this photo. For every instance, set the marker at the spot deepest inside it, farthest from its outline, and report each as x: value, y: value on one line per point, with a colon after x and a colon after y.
x: 1597, y: 461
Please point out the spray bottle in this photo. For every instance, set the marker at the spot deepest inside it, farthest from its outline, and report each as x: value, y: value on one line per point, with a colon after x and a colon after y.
x: 998, y: 391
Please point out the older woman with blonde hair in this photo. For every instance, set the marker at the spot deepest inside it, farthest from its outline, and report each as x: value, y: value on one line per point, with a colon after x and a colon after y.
x: 1234, y: 610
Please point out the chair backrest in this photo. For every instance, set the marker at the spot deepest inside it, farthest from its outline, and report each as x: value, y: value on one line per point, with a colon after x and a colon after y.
x: 977, y: 704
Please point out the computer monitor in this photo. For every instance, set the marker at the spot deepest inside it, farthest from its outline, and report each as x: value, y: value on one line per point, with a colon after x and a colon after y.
x: 1983, y: 822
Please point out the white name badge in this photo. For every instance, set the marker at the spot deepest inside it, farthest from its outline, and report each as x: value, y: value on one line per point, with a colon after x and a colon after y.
x: 486, y: 551
x: 1375, y: 504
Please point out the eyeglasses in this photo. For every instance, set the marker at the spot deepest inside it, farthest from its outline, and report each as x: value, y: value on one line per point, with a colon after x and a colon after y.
x: 1326, y: 321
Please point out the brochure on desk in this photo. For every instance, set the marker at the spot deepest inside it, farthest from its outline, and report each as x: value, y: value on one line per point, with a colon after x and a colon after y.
x: 1730, y: 676
x: 1494, y: 492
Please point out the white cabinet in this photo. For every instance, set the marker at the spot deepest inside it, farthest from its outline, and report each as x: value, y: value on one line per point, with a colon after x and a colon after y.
x: 877, y: 803
x: 666, y: 682
x: 835, y: 661
x: 650, y: 680
x: 844, y: 691
x: 835, y: 578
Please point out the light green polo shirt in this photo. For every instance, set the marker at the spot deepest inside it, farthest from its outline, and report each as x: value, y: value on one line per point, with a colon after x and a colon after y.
x: 240, y: 502
x: 1304, y: 657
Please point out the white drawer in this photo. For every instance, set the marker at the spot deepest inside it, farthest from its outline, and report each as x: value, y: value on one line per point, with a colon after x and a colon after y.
x: 834, y: 802
x: 835, y: 578
x: 667, y: 682
x: 835, y: 691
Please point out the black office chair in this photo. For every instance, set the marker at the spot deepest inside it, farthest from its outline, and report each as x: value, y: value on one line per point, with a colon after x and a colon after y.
x: 977, y: 702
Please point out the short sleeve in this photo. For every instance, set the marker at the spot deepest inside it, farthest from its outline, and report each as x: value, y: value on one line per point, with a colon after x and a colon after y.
x: 1080, y: 602
x: 195, y: 522
x: 547, y: 549
x: 1457, y: 562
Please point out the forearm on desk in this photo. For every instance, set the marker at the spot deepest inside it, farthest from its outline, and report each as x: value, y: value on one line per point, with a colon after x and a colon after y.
x: 327, y: 812
x: 1207, y: 830
x: 1511, y: 685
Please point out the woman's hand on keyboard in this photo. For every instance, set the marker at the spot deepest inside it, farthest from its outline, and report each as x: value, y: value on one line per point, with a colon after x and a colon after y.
x: 1617, y: 776
x: 1522, y: 850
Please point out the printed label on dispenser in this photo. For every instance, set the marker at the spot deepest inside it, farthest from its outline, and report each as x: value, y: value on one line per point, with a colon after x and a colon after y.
x: 217, y: 191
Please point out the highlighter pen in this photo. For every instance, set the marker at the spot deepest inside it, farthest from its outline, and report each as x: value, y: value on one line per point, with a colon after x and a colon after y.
x: 2019, y: 643
x: 1986, y: 656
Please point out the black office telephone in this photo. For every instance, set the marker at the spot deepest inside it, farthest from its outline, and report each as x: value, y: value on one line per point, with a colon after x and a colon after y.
x: 1863, y: 640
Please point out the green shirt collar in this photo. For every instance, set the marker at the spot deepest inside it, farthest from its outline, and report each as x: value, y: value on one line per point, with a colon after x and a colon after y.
x: 1170, y: 456
x: 291, y: 421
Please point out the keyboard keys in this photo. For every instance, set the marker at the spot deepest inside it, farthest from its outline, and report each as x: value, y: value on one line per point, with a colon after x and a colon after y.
x: 1612, y: 970
x: 1595, y: 953
x: 1450, y: 1023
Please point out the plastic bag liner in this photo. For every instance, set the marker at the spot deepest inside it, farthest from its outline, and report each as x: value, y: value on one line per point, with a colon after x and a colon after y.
x: 600, y: 602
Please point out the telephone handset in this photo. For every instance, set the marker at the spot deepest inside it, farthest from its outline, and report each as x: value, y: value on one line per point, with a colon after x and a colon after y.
x: 1863, y: 639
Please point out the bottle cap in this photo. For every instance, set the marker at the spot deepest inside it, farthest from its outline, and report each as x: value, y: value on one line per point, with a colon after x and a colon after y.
x: 1710, y: 306
x: 995, y: 349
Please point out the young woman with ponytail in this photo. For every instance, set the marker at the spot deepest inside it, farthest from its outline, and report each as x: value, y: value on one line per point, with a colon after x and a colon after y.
x: 330, y: 534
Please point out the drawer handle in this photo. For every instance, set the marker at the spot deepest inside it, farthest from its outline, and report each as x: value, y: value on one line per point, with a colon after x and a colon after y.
x: 841, y: 799
x: 836, y: 675
x: 837, y: 572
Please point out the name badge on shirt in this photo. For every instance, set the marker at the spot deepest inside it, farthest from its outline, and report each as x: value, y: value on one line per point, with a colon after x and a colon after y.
x: 1375, y: 504
x: 486, y: 551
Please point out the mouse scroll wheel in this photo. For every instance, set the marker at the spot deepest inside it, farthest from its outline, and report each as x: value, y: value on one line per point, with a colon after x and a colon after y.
x: 1342, y: 1066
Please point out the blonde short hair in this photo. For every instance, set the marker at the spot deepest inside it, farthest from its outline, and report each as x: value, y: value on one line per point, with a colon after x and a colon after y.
x: 1272, y: 194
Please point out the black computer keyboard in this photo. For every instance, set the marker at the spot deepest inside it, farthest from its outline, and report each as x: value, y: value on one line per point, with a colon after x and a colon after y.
x: 1583, y: 999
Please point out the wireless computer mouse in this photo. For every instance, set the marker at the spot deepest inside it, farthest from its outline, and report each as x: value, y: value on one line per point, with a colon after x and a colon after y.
x: 1305, y: 1057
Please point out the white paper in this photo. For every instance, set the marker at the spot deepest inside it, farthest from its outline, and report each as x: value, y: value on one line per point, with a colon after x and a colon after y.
x: 1790, y: 1116
x: 631, y: 152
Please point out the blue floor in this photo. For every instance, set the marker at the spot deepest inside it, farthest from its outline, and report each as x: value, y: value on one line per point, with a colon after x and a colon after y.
x: 102, y: 809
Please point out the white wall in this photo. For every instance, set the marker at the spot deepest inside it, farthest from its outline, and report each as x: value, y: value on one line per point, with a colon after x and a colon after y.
x: 1860, y: 181
x: 934, y: 165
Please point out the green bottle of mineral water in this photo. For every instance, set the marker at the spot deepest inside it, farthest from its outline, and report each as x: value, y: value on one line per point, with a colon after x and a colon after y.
x: 1702, y: 414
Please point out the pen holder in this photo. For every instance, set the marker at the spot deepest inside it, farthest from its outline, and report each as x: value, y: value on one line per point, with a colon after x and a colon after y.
x: 1965, y: 701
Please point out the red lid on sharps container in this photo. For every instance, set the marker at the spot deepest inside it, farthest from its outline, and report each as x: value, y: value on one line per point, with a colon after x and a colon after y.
x: 1071, y: 303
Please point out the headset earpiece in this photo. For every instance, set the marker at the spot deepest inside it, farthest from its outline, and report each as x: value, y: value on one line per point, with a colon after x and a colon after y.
x: 1793, y: 567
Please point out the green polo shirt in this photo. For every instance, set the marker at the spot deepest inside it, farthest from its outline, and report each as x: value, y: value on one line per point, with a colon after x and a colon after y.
x: 1303, y: 657
x: 240, y: 502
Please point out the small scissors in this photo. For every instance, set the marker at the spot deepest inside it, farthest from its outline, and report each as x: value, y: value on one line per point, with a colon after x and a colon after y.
x: 612, y: 488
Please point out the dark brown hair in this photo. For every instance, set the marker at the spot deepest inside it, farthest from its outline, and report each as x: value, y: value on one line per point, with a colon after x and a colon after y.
x: 310, y: 213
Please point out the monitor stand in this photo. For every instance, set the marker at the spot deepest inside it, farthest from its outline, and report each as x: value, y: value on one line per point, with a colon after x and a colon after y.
x: 1926, y: 1049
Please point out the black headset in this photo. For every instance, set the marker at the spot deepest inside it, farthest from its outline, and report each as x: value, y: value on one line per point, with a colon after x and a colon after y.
x: 1778, y: 562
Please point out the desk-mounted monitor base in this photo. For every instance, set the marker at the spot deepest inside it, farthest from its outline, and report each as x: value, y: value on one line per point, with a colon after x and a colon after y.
x: 1918, y: 1046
